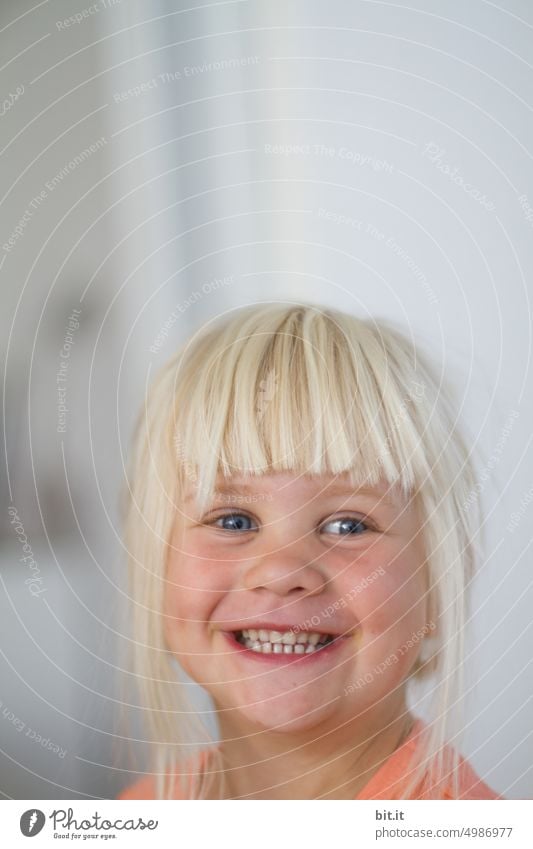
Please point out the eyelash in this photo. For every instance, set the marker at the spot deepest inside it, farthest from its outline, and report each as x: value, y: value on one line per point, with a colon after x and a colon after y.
x: 363, y: 522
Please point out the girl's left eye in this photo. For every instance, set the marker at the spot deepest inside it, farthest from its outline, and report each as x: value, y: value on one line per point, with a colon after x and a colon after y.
x: 347, y: 526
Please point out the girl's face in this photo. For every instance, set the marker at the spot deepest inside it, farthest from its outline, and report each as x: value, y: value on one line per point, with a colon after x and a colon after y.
x: 297, y: 555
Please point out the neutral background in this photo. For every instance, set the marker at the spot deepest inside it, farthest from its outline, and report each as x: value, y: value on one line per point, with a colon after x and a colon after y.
x: 373, y: 156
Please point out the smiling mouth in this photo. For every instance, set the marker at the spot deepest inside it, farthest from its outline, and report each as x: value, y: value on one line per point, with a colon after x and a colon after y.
x: 288, y: 643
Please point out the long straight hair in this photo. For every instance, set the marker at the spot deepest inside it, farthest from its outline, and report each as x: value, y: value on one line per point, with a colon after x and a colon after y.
x: 296, y: 387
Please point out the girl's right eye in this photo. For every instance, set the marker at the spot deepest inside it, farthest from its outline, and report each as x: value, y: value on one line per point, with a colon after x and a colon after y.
x: 235, y: 522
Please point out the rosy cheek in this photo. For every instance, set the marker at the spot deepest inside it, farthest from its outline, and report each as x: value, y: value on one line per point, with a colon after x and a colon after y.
x: 394, y: 599
x: 374, y: 612
x: 194, y: 587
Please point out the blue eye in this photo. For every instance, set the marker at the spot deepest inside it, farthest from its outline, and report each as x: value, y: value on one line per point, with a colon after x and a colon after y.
x: 348, y: 526
x: 240, y: 522
x: 235, y: 522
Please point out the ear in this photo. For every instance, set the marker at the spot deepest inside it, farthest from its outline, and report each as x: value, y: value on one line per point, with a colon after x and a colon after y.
x: 430, y: 643
x: 428, y: 654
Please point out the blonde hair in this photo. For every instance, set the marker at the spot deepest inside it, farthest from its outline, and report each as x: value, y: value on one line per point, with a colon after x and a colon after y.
x: 296, y: 387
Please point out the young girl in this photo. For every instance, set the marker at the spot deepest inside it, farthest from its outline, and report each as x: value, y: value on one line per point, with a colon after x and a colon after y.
x: 297, y: 545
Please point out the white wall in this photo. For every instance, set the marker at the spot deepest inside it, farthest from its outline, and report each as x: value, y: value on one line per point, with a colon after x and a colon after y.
x: 413, y: 124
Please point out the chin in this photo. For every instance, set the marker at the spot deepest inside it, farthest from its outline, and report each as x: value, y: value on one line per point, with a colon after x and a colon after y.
x: 284, y: 714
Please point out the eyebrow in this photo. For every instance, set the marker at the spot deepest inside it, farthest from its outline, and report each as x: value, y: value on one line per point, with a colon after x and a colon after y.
x: 226, y: 489
x: 365, y: 492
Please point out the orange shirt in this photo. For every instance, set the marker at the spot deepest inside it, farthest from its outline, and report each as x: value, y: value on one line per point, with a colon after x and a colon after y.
x: 387, y: 778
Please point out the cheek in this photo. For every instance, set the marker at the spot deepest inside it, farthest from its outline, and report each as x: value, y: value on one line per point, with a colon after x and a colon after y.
x: 392, y: 614
x: 395, y: 601
x: 192, y: 589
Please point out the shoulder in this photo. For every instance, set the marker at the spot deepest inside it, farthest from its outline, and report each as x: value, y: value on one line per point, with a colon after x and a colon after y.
x: 471, y: 786
x: 390, y: 781
x: 468, y: 784
x: 144, y: 788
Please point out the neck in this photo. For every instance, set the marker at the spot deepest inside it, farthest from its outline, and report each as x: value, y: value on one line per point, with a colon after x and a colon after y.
x: 333, y: 764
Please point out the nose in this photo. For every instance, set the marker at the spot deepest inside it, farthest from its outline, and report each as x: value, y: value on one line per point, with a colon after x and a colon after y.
x: 284, y: 575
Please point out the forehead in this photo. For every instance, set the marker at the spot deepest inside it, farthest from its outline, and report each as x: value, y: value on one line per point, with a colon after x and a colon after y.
x: 295, y: 485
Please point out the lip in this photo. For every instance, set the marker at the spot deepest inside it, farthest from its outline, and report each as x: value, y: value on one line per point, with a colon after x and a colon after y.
x: 292, y: 628
x: 275, y: 657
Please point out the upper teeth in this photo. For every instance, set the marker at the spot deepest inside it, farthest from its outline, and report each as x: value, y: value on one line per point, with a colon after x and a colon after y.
x: 278, y: 641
